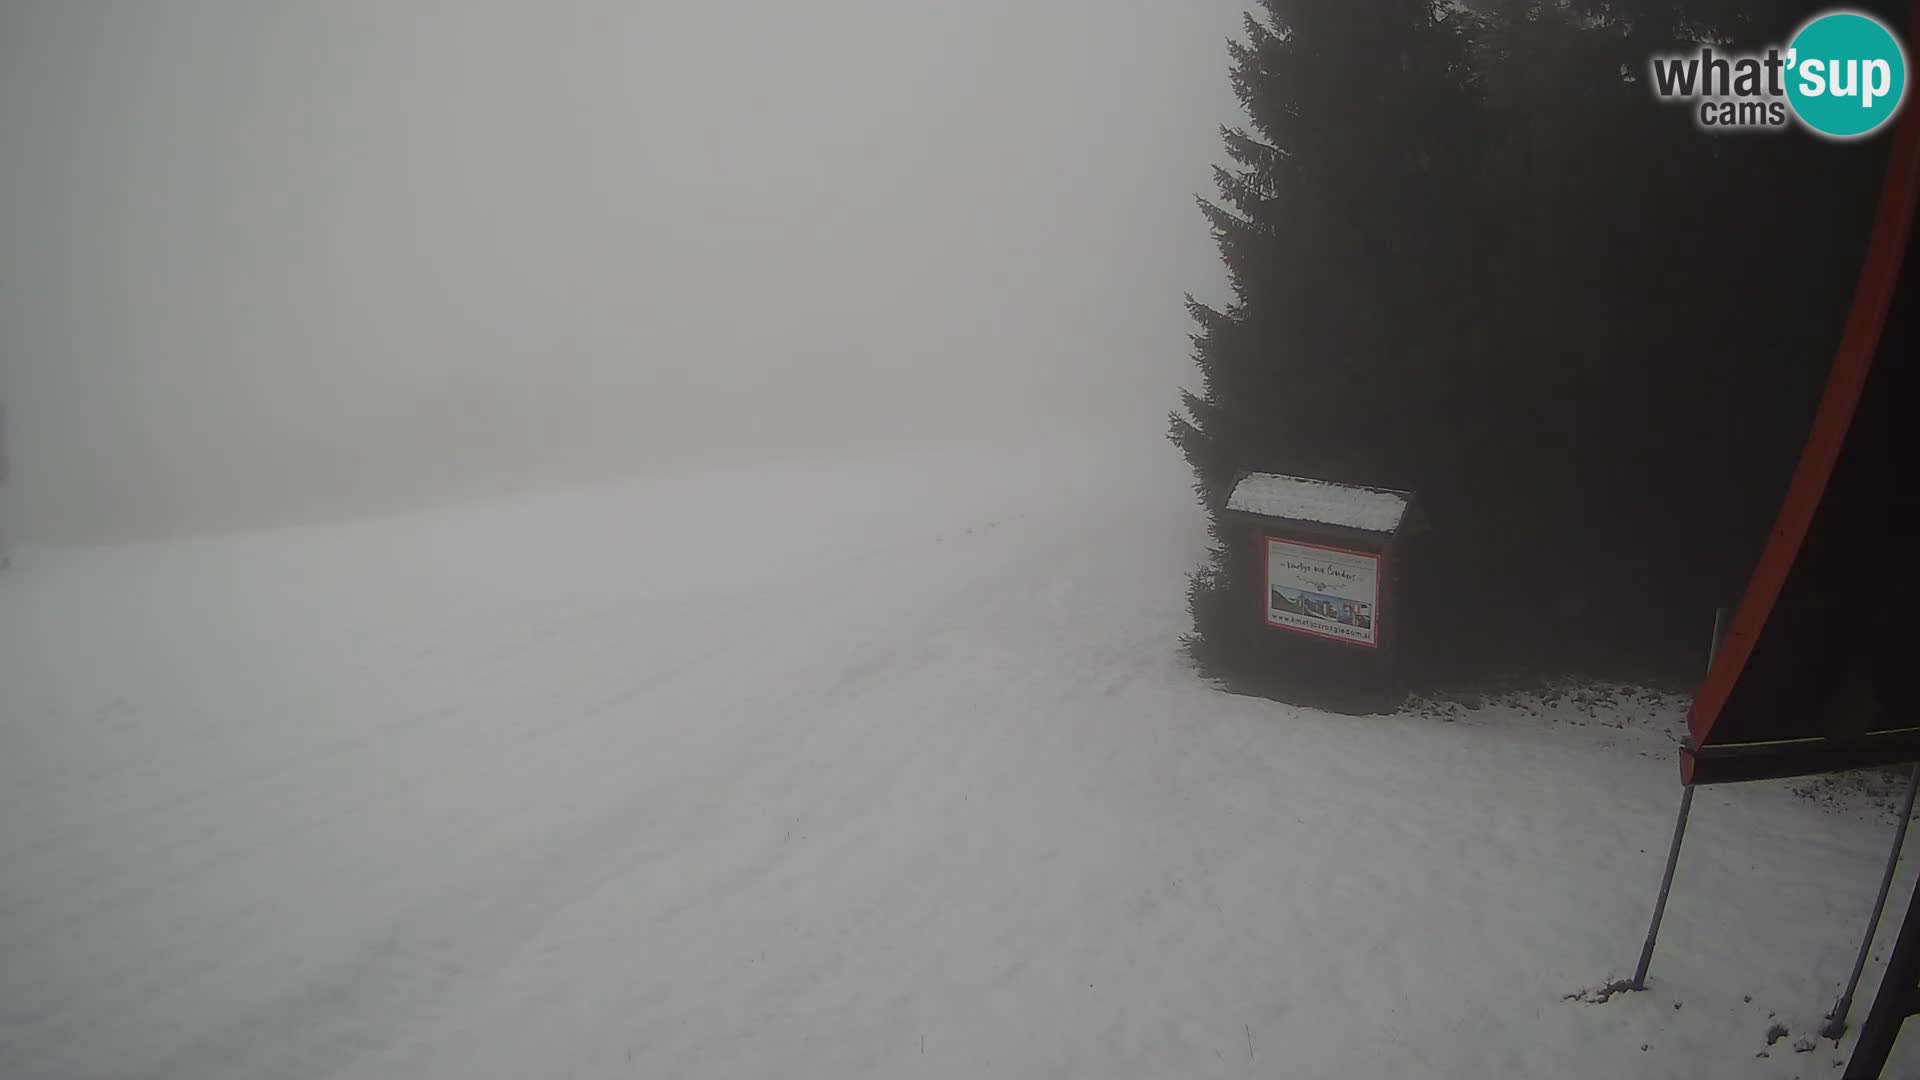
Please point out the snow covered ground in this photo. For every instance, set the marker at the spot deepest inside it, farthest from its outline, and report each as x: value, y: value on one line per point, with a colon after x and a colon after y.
x: 870, y: 768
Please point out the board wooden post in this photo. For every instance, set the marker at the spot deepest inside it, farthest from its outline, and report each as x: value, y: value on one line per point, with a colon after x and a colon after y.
x: 1330, y: 559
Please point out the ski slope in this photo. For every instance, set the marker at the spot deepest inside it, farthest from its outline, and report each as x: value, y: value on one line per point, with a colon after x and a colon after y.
x: 850, y: 769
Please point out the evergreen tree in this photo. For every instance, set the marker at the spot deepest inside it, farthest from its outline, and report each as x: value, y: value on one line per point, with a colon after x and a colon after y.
x: 1344, y: 223
x: 1666, y: 381
x: 1472, y: 256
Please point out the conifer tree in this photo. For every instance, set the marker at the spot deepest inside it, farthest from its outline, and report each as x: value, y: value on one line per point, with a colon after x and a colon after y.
x: 1344, y: 220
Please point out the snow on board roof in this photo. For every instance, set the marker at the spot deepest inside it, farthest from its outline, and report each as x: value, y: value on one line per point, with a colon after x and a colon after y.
x: 1296, y: 498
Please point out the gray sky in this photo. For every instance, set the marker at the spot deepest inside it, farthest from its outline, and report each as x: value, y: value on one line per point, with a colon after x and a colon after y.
x: 267, y: 260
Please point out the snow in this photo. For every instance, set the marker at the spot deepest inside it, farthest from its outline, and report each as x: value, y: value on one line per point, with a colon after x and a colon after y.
x: 1298, y: 499
x: 642, y: 781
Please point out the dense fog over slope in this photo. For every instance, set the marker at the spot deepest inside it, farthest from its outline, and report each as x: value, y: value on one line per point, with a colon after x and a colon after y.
x: 274, y: 262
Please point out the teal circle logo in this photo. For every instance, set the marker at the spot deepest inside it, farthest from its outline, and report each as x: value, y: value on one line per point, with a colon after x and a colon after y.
x: 1846, y: 74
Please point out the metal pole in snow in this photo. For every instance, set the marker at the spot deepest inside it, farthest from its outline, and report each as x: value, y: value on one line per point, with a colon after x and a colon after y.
x: 1837, y: 1017
x: 1666, y: 884
x: 1673, y: 853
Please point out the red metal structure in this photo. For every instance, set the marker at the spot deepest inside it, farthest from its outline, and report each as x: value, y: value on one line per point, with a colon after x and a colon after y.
x: 1808, y: 677
x: 1804, y: 682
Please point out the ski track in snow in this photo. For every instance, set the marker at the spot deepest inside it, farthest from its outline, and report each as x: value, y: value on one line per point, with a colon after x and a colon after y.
x: 863, y: 769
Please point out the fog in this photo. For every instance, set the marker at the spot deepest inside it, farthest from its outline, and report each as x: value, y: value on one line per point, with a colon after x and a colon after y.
x: 268, y: 262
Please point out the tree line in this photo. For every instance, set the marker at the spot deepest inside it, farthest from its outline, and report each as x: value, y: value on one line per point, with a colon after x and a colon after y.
x: 1473, y: 257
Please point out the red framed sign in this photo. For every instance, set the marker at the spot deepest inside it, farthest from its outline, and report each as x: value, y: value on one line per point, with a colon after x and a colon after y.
x: 1325, y: 592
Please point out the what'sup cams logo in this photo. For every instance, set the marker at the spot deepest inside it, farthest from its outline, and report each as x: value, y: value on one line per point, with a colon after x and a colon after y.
x: 1843, y: 75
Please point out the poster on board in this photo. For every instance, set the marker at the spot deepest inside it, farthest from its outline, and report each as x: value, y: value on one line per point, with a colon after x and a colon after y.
x: 1326, y: 592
